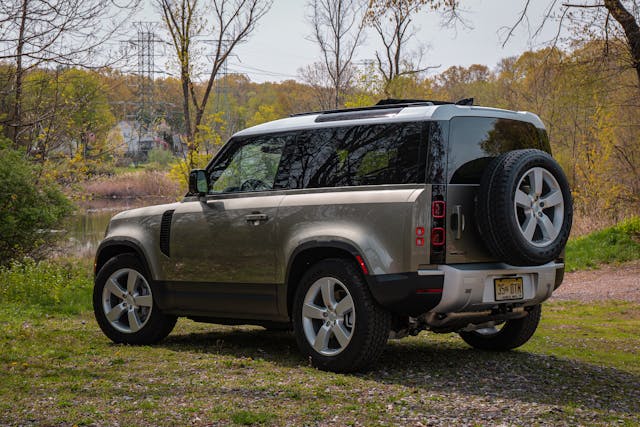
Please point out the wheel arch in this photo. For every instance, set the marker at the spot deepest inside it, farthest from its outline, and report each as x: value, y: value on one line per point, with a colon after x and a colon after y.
x: 308, y: 254
x: 110, y: 248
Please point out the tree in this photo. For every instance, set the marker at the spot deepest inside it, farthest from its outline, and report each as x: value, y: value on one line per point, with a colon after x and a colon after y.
x: 71, y: 116
x: 614, y: 21
x: 338, y: 31
x: 392, y: 21
x: 231, y: 24
x: 62, y: 32
x: 27, y: 210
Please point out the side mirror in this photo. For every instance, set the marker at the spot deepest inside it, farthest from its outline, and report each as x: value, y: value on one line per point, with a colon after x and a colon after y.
x: 198, y: 182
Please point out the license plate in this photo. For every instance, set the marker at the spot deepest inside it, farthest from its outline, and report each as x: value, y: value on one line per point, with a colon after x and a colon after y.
x: 508, y: 288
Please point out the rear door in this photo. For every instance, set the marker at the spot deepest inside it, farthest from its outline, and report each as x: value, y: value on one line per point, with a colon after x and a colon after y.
x: 473, y: 143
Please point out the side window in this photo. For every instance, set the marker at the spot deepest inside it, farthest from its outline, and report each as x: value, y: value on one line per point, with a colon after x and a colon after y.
x: 250, y: 165
x: 475, y: 140
x: 356, y: 155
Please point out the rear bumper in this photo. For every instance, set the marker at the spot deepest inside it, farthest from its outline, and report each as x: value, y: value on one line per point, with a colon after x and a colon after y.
x: 470, y: 287
x: 460, y: 288
x: 407, y: 294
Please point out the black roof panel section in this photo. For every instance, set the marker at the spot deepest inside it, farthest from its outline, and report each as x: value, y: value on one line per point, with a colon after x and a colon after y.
x: 383, y: 108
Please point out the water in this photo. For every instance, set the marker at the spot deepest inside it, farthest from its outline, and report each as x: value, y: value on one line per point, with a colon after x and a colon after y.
x: 85, y: 229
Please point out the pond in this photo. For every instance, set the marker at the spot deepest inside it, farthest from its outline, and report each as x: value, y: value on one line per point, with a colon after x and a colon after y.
x: 85, y: 229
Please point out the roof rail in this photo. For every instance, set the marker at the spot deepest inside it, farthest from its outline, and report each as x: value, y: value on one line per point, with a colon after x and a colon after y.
x: 388, y: 103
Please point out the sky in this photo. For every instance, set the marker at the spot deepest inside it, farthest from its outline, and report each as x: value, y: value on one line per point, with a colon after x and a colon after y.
x: 280, y: 44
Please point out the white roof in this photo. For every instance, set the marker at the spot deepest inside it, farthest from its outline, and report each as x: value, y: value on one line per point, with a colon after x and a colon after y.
x: 407, y: 114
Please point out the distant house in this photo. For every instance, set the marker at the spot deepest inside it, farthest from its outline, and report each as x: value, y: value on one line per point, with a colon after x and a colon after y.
x: 140, y: 141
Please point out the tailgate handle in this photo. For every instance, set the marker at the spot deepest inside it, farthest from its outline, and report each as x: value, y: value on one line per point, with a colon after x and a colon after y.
x: 460, y: 222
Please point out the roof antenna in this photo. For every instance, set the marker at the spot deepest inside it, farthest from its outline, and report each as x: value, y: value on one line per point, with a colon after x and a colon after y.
x: 465, y: 101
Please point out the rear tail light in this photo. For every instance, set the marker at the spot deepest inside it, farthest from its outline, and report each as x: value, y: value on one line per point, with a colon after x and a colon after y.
x: 438, y: 209
x: 437, y: 236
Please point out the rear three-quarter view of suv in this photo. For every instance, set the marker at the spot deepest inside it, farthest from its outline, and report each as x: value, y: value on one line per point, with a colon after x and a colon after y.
x: 351, y: 226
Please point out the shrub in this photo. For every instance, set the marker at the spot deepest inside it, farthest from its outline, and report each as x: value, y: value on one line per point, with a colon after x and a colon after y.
x: 29, y: 206
x: 159, y: 158
x: 615, y: 244
x: 54, y: 286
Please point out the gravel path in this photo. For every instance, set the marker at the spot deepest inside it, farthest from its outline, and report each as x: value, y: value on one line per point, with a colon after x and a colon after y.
x: 619, y: 282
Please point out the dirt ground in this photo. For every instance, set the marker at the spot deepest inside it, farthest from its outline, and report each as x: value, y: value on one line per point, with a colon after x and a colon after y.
x: 612, y: 282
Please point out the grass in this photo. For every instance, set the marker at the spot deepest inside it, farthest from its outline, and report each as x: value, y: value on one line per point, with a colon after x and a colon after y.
x: 140, y: 183
x: 615, y: 244
x: 61, y: 286
x: 56, y: 368
x: 581, y: 367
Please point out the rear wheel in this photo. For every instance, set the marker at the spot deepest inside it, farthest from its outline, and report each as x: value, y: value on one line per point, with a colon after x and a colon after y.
x: 337, y: 323
x: 124, y: 306
x: 524, y: 210
x: 511, y: 334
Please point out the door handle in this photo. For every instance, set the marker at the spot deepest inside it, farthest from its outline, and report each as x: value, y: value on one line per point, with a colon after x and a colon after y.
x: 460, y: 225
x: 255, y: 218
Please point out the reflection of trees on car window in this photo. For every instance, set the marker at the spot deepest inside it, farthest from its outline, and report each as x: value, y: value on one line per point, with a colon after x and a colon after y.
x: 508, y: 135
x: 355, y: 155
x: 254, y: 161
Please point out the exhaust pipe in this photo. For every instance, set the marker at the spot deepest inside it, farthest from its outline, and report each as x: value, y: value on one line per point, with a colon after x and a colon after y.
x: 457, y: 321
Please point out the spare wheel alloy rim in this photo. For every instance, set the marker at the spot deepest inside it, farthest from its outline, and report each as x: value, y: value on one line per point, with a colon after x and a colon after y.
x: 539, y: 207
x: 127, y: 301
x: 328, y: 316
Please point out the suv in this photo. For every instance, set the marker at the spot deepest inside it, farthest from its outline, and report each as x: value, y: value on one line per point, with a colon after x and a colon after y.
x: 351, y: 226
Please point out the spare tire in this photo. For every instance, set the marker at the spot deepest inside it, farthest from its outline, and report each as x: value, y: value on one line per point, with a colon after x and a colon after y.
x: 524, y: 208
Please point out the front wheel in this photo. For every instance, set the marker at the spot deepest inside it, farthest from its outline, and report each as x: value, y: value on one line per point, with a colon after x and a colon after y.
x: 512, y: 334
x: 337, y: 323
x: 124, y: 305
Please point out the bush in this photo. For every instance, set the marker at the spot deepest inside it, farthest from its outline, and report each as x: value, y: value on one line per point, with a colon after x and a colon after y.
x: 51, y: 286
x: 615, y: 244
x: 29, y: 206
x: 159, y: 158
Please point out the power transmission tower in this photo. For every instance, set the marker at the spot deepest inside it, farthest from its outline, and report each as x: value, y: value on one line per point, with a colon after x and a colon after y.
x: 145, y: 46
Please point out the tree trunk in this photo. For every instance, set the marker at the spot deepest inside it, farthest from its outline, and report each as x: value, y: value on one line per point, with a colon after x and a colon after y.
x: 17, y: 104
x: 631, y: 30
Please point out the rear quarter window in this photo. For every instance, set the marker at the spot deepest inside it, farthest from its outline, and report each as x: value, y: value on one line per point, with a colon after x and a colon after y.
x: 474, y: 141
x: 393, y: 153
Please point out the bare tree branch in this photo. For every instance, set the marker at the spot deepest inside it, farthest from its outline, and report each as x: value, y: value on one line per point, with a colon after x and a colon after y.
x: 230, y: 21
x: 338, y: 31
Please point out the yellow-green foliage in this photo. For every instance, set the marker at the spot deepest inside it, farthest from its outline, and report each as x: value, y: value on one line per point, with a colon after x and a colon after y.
x: 612, y: 245
x: 50, y: 286
x: 29, y: 205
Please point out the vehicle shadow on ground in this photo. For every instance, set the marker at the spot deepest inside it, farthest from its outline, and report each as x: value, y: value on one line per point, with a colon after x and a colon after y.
x: 445, y: 367
x: 514, y: 375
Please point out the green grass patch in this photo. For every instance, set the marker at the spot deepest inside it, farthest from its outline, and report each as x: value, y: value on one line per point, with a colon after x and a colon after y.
x: 61, y: 286
x: 582, y: 367
x: 615, y: 244
x: 249, y: 418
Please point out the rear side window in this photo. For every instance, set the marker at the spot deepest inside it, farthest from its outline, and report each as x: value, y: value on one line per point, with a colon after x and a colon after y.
x: 474, y: 141
x: 391, y: 153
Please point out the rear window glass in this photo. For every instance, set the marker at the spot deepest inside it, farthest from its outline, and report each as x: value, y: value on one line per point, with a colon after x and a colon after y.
x: 355, y: 155
x: 474, y: 141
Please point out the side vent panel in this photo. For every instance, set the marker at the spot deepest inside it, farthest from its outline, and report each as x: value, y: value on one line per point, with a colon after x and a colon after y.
x: 165, y: 232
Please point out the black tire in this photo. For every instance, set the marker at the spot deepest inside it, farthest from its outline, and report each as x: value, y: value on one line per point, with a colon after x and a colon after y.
x: 513, y: 333
x: 155, y: 324
x: 501, y: 224
x: 370, y: 328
